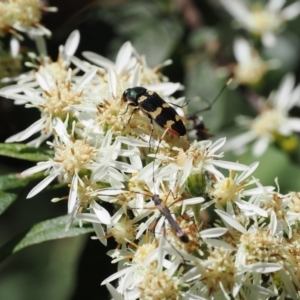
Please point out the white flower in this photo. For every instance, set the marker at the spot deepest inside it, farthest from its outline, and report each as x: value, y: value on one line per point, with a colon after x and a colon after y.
x: 260, y: 250
x: 262, y: 21
x: 283, y: 207
x: 24, y: 16
x: 200, y: 157
x: 149, y: 264
x: 55, y: 101
x: 58, y: 69
x: 74, y: 158
x: 130, y: 63
x: 250, y: 68
x: 272, y: 121
x: 70, y: 158
x: 233, y: 189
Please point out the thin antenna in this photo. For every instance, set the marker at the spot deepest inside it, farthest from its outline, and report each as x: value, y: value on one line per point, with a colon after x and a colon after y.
x: 202, y: 132
x: 210, y: 104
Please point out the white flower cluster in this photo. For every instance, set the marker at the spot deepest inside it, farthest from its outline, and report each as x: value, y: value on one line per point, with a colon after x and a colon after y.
x: 262, y: 21
x: 273, y: 120
x: 110, y: 152
x: 272, y: 123
x: 23, y: 16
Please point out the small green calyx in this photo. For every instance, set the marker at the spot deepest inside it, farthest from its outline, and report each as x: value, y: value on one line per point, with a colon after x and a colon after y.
x: 196, y: 184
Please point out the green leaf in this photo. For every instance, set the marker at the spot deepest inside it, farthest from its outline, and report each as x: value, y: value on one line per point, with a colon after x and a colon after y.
x: 12, y: 181
x: 41, y: 232
x: 6, y: 199
x: 22, y: 151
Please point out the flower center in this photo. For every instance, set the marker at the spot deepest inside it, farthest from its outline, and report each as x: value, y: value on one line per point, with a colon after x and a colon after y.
x: 157, y: 285
x: 75, y: 157
x: 268, y: 122
x: 264, y: 21
x: 262, y: 247
x: 226, y: 190
x: 221, y: 269
x: 60, y: 97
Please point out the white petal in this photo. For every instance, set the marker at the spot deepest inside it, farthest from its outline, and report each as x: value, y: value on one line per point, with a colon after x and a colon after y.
x: 102, y: 214
x: 28, y: 132
x: 239, y: 10
x: 100, y: 233
x: 86, y: 78
x: 123, y: 57
x: 240, y: 140
x: 61, y: 130
x: 260, y: 146
x: 263, y: 267
x: 249, y: 207
x: 192, y: 274
x: 144, y: 226
x: 273, y: 223
x: 118, y: 275
x: 132, y: 142
x: 14, y: 47
x: 88, y: 217
x: 14, y: 138
x: 269, y: 39
x: 230, y: 165
x: 148, y: 171
x: 40, y: 167
x: 261, y: 290
x: 42, y: 82
x: 107, y: 140
x: 185, y: 173
x: 295, y: 97
x: 135, y: 159
x: 291, y: 11
x: 213, y: 232
x: 165, y: 88
x: 135, y: 76
x: 242, y: 51
x: 218, y: 244
x: 258, y: 191
x: 127, y: 168
x: 82, y: 65
x: 213, y: 170
x: 112, y: 82
x: 289, y: 285
x: 232, y: 222
x: 114, y: 292
x: 294, y: 124
x: 284, y: 91
x: 274, y: 5
x: 247, y: 173
x: 98, y: 60
x: 193, y: 201
x: 72, y: 43
x: 99, y: 172
x: 41, y: 185
x: 217, y: 145
x: 110, y: 192
x: 12, y: 89
x: 73, y: 194
x: 116, y: 217
x: 20, y: 98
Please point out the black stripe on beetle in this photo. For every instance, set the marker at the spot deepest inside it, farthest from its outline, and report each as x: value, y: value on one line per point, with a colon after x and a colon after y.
x: 158, y: 110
